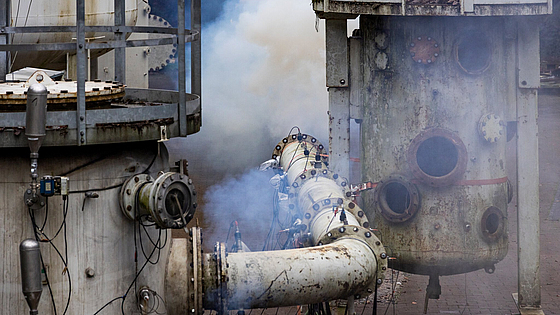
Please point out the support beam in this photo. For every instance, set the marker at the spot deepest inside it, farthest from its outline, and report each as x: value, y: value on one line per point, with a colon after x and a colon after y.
x: 196, y: 49
x: 339, y: 96
x: 528, y: 247
x: 81, y: 71
x: 182, y: 64
x: 120, y: 53
x: 5, y: 12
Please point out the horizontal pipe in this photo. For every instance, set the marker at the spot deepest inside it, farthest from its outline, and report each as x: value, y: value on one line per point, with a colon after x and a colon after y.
x: 296, y: 276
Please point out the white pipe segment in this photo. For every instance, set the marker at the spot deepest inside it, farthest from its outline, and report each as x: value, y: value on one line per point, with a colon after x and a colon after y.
x: 346, y: 266
x: 299, y: 276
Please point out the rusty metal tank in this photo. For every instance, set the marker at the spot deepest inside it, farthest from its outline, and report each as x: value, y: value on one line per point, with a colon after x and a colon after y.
x: 436, y: 106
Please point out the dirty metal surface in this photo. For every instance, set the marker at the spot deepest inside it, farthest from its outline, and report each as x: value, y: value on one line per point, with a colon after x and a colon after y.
x: 348, y: 8
x: 446, y: 234
x: 137, y: 117
x: 424, y: 49
x: 291, y: 277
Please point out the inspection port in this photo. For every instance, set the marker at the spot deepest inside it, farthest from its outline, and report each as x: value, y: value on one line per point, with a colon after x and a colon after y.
x: 437, y: 157
x: 473, y: 52
x: 397, y: 199
x: 492, y: 224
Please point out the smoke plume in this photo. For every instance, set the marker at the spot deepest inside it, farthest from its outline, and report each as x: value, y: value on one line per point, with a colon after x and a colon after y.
x: 263, y: 72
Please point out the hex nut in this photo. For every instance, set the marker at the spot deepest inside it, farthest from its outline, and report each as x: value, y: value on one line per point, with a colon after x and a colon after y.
x: 90, y: 273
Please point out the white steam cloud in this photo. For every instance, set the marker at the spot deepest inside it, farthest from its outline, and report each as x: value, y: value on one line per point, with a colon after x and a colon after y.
x: 263, y: 72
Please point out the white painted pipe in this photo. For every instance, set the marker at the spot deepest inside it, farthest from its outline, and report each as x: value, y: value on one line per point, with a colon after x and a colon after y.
x: 299, y: 276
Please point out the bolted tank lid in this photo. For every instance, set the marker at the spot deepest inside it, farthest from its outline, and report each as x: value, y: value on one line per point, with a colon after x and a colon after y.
x: 59, y: 92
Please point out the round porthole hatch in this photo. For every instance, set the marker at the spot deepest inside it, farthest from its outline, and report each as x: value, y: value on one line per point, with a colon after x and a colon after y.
x: 437, y: 157
x: 397, y: 199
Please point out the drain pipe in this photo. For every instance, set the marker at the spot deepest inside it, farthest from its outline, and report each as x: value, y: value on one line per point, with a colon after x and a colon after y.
x: 344, y: 258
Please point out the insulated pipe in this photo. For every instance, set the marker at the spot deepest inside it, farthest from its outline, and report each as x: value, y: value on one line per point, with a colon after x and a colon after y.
x: 299, y: 276
x: 345, y: 258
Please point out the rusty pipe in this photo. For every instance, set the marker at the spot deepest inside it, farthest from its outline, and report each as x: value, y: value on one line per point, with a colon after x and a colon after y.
x: 292, y: 277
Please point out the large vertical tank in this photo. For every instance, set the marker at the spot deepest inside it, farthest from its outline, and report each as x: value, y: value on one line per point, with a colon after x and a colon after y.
x: 440, y: 87
x: 101, y: 196
x: 436, y: 139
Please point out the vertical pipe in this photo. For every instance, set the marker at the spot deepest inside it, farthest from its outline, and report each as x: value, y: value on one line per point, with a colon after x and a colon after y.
x: 528, y: 168
x: 181, y: 65
x: 4, y: 21
x: 196, y: 49
x: 81, y: 71
x: 120, y: 52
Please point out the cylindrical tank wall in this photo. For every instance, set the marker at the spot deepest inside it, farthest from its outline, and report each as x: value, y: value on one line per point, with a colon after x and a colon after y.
x: 437, y: 92
x: 101, y: 241
x: 62, y: 13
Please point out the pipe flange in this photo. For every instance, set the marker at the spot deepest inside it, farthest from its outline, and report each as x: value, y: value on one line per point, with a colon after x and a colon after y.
x: 397, y: 199
x: 321, y: 172
x: 323, y: 203
x: 345, y: 204
x: 367, y: 236
x: 172, y: 200
x: 360, y: 215
x: 304, y: 138
x: 222, y: 278
x: 437, y: 157
x: 129, y: 194
x: 491, y: 127
x: 195, y: 272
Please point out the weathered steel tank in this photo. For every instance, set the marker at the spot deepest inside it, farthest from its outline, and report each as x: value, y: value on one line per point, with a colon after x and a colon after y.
x: 439, y: 87
x: 28, y: 13
x: 101, y: 196
x: 436, y: 140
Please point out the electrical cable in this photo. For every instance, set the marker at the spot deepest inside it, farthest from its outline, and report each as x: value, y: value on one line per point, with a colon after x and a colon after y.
x: 48, y: 240
x: 294, y: 127
x: 42, y: 262
x: 84, y: 165
x: 136, y: 278
x: 46, y: 214
x: 107, y: 304
x: 113, y: 186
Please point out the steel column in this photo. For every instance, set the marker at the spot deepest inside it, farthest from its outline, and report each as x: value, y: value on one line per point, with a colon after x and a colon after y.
x: 120, y: 52
x: 81, y: 71
x: 4, y: 38
x: 196, y: 49
x: 528, y: 247
x: 182, y: 64
x: 339, y: 96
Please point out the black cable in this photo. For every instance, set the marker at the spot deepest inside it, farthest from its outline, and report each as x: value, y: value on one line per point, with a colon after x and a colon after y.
x: 150, y: 165
x: 96, y: 189
x: 328, y: 308
x: 113, y: 186
x: 48, y: 240
x: 64, y: 198
x: 46, y: 214
x: 107, y: 304
x: 135, y: 278
x: 42, y: 262
x: 393, y: 287
x: 84, y: 165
